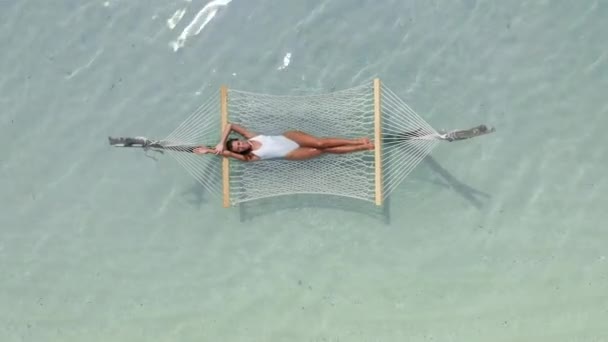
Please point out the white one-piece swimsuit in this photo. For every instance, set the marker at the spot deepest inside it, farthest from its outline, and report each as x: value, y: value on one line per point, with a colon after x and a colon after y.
x: 273, y: 146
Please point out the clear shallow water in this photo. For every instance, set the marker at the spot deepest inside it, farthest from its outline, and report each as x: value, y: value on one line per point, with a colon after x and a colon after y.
x: 500, y: 237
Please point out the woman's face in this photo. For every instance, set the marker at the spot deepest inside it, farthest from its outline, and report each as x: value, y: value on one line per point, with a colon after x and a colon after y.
x: 239, y: 146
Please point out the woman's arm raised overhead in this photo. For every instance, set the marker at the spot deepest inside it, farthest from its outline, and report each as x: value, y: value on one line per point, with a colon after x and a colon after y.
x: 241, y: 157
x: 242, y: 131
x: 226, y: 153
x: 219, y: 148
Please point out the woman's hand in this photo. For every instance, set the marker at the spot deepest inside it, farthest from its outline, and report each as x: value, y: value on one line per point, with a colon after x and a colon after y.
x: 219, y: 148
x: 202, y: 150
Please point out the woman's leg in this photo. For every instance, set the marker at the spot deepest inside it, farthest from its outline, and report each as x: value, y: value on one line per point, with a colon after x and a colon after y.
x: 303, y: 153
x: 349, y: 149
x: 307, y: 140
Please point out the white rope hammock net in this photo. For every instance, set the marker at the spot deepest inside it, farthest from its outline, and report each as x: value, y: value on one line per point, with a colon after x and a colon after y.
x: 347, y: 113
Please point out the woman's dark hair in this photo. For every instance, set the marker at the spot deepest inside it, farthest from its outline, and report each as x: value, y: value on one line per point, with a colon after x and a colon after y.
x: 229, y: 147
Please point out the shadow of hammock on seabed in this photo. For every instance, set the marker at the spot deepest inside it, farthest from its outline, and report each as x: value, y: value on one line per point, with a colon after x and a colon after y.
x: 268, y: 206
x: 263, y: 207
x: 466, y: 191
x: 198, y: 196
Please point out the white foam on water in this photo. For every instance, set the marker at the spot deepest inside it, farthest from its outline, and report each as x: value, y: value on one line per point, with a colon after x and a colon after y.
x: 175, y: 18
x: 106, y: 4
x: 202, y: 18
x: 86, y: 66
x: 286, y: 61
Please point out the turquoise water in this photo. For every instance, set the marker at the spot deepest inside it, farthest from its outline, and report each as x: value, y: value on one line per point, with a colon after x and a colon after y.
x: 500, y: 238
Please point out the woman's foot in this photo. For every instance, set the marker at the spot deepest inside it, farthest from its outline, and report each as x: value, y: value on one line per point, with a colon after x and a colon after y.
x: 362, y: 141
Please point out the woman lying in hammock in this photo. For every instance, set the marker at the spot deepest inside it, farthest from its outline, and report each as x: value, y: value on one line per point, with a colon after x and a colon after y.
x: 291, y: 145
